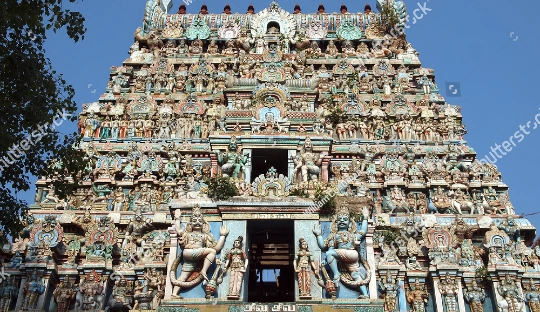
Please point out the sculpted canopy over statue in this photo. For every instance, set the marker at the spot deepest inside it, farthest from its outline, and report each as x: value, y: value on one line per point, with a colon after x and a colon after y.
x: 343, y: 245
x: 199, y: 249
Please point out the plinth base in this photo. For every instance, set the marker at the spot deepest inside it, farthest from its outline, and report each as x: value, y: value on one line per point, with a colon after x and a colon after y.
x: 318, y: 305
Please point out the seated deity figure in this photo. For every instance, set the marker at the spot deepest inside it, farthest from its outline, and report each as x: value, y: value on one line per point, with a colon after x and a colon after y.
x: 307, y: 163
x: 213, y: 48
x: 136, y: 229
x: 269, y: 124
x: 232, y: 161
x: 199, y: 249
x: 342, y: 247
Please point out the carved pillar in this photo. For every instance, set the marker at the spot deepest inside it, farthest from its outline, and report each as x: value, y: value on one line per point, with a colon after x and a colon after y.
x: 402, y: 297
x: 290, y: 172
x: 461, y: 301
x: 437, y: 293
x: 44, y: 300
x: 214, y: 162
x: 371, y: 259
x: 498, y: 298
x: 249, y: 166
x: 325, y: 164
x: 172, y: 257
x: 20, y: 295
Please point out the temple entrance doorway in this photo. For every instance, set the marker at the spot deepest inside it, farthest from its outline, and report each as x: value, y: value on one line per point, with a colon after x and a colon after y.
x: 271, y: 253
x: 263, y: 159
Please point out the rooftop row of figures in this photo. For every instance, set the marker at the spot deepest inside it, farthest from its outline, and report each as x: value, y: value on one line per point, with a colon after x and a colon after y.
x: 376, y: 126
x: 143, y: 52
x: 341, y: 81
x: 272, y: 20
x: 251, y: 9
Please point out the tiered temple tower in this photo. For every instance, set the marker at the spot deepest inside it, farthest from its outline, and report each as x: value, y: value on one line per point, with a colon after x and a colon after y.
x: 274, y: 162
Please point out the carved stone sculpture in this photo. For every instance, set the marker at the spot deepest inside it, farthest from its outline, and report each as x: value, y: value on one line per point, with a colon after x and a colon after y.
x: 449, y: 289
x: 7, y: 294
x: 389, y: 288
x: 308, y: 163
x: 513, y: 300
x: 475, y: 296
x: 342, y: 245
x: 532, y: 297
x: 91, y: 292
x: 63, y: 295
x: 32, y: 290
x: 417, y: 296
x: 198, y: 248
x: 236, y: 264
x: 232, y: 161
x: 303, y: 260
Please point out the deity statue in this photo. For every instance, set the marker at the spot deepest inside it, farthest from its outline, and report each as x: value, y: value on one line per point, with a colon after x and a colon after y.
x: 198, y: 245
x: 343, y: 244
x: 7, y: 293
x: 307, y: 163
x: 390, y: 290
x: 513, y: 300
x: 136, y: 229
x: 532, y: 296
x: 417, y: 296
x: 510, y: 227
x: 122, y: 294
x: 16, y: 261
x: 449, y: 289
x: 475, y: 296
x: 270, y: 124
x: 236, y: 263
x: 119, y: 199
x: 63, y: 295
x: 332, y: 49
x: 32, y: 290
x: 302, y: 262
x: 156, y: 282
x: 232, y: 161
x: 91, y: 289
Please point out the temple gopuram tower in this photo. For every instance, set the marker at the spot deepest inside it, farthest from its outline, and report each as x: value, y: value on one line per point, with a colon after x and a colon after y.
x: 274, y: 161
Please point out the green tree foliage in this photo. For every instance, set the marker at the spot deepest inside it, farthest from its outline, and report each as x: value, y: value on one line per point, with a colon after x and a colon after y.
x: 221, y: 188
x: 389, y: 17
x: 32, y: 97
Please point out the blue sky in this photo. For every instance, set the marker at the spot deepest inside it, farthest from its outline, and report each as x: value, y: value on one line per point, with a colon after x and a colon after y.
x: 488, y: 47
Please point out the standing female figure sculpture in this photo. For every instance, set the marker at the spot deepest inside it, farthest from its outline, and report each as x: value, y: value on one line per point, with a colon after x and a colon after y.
x: 237, y: 264
x: 302, y: 262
